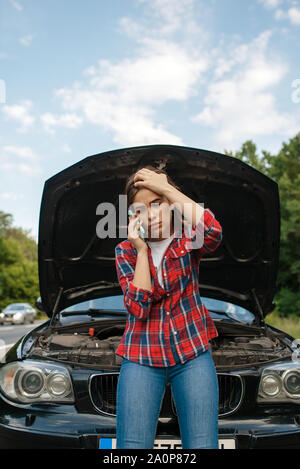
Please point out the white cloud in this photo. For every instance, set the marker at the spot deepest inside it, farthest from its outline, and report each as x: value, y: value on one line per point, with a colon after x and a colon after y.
x: 124, y: 97
x: 26, y: 40
x: 242, y: 105
x: 21, y: 152
x: 163, y: 71
x: 66, y: 148
x: 11, y: 196
x: 16, y: 5
x: 69, y: 121
x: 171, y: 57
x: 270, y: 3
x: 291, y: 14
x: 10, y: 156
x: 20, y: 113
x: 169, y: 16
x: 20, y: 167
x: 294, y: 15
x: 280, y: 14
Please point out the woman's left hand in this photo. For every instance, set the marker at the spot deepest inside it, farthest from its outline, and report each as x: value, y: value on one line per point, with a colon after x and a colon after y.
x: 151, y: 180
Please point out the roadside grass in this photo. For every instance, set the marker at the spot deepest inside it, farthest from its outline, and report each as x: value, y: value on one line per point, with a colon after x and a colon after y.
x: 289, y: 325
x: 41, y: 316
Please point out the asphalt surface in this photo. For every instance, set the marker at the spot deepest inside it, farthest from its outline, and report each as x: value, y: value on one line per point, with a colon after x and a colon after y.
x: 9, y: 334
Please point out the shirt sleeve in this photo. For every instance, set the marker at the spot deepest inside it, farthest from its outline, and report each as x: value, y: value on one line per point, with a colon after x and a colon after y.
x: 137, y: 301
x: 207, y: 235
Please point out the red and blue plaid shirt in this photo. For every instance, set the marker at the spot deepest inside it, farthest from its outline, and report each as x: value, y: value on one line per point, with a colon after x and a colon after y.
x: 175, y: 308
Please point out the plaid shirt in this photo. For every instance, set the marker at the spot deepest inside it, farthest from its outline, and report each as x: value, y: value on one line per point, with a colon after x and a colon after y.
x: 175, y: 309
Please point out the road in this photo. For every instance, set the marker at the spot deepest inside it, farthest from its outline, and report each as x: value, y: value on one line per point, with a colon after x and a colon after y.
x: 10, y: 334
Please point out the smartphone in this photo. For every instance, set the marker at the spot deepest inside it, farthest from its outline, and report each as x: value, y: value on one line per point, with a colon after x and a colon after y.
x: 141, y: 231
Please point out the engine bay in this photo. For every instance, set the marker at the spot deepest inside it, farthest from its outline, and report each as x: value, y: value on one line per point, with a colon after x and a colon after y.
x: 235, y: 346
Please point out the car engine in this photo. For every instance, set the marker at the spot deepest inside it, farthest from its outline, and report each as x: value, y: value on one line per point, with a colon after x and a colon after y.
x: 247, y: 346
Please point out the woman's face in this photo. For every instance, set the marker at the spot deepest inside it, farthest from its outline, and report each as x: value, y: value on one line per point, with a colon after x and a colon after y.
x: 155, y: 213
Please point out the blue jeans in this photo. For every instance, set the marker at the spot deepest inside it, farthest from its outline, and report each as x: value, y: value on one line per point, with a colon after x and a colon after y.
x: 195, y: 390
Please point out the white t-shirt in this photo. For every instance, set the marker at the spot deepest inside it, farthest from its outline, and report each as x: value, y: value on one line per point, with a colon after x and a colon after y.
x: 158, y: 249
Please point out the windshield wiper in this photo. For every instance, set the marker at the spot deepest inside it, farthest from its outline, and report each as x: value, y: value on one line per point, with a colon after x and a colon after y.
x: 93, y: 312
x: 113, y: 312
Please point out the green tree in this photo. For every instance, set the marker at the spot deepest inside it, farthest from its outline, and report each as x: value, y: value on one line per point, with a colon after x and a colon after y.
x: 284, y: 168
x: 18, y: 264
x: 248, y: 154
x: 23, y: 237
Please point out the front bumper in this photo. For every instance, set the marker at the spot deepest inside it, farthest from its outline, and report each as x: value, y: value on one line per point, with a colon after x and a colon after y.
x: 46, y: 430
x: 12, y: 321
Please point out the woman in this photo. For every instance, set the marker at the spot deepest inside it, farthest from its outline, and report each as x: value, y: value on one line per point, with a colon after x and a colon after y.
x: 168, y: 328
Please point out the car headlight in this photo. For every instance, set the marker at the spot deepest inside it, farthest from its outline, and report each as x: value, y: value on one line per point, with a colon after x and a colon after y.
x: 280, y: 383
x: 30, y: 382
x: 17, y: 316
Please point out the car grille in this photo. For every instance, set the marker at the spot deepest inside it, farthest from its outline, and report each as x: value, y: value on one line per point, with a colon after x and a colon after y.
x: 103, y: 392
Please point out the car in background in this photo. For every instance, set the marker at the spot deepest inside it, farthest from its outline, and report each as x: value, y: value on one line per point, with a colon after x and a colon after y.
x: 58, y: 383
x: 18, y: 313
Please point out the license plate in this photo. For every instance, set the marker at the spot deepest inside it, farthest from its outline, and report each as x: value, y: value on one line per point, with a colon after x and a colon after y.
x: 110, y: 443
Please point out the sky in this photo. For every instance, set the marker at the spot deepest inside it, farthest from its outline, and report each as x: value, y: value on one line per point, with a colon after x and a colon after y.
x: 79, y: 78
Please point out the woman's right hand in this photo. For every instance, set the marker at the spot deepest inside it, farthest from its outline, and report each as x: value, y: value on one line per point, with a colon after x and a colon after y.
x: 133, y: 235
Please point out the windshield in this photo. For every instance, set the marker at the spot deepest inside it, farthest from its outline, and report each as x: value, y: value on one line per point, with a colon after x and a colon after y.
x: 219, y: 310
x: 15, y: 308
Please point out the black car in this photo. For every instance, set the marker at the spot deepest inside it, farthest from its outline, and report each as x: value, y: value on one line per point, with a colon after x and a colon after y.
x: 58, y: 383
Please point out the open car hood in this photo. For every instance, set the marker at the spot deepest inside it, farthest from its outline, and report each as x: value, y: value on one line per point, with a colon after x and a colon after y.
x: 76, y: 265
